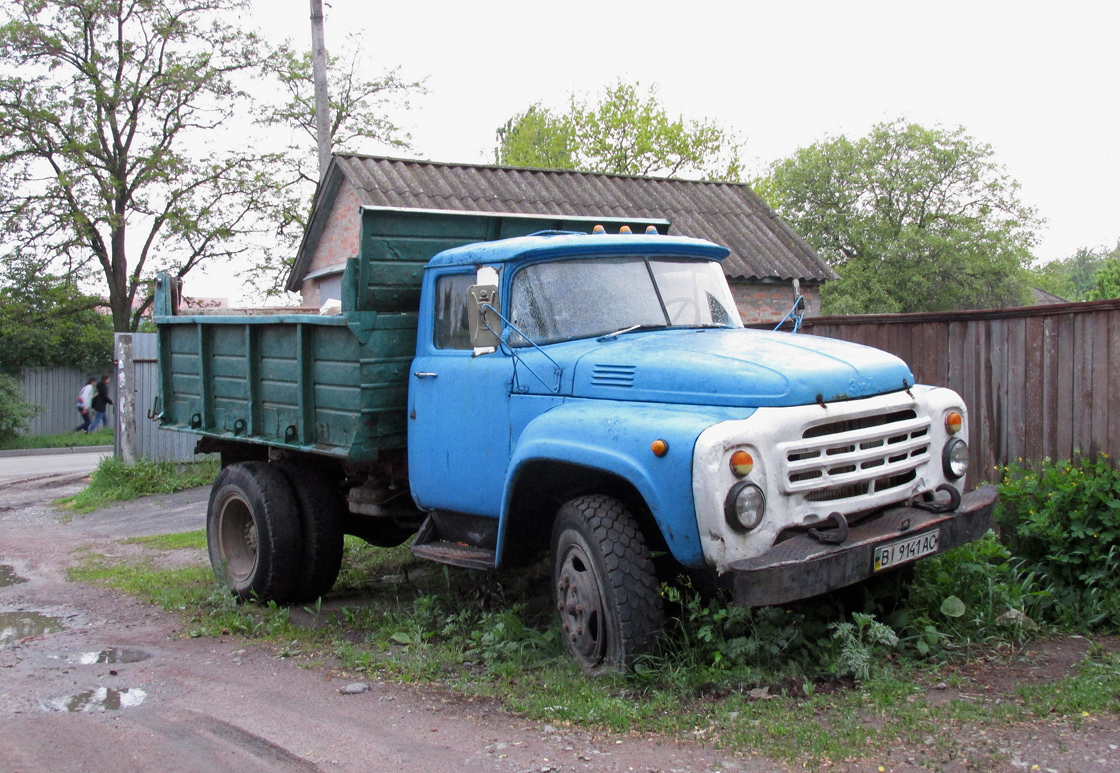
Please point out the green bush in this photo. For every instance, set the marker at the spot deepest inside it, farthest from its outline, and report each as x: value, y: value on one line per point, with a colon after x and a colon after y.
x: 1063, y: 520
x: 15, y: 411
x: 967, y: 596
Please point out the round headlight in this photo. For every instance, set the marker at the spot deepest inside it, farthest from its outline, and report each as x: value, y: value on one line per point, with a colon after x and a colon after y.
x: 954, y: 459
x: 744, y: 507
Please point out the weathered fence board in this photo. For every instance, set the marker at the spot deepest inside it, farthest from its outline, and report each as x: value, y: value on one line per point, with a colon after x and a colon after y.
x: 1038, y: 381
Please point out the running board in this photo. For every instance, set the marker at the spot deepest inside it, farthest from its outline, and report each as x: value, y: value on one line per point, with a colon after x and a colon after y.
x: 428, y: 544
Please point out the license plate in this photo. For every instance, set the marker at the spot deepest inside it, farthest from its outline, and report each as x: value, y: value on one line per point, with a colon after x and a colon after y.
x: 904, y: 550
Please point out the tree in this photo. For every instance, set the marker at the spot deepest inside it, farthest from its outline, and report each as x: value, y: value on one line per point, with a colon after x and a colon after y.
x: 626, y: 132
x: 913, y: 219
x: 359, y: 112
x: 1106, y: 283
x: 1075, y: 277
x: 45, y: 320
x: 15, y: 411
x: 110, y: 112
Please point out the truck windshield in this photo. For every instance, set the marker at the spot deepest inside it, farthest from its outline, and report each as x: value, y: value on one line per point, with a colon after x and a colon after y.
x: 567, y: 299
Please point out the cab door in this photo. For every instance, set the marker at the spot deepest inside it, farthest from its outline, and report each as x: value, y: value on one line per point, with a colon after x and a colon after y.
x: 459, y: 407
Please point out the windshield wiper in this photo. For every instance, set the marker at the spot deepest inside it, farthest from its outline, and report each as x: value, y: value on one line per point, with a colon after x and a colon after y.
x: 631, y: 329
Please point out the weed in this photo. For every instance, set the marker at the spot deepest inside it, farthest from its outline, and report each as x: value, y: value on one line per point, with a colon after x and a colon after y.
x: 115, y: 481
x: 103, y: 437
x: 1063, y: 519
x: 862, y: 642
x: 966, y: 597
x: 1093, y: 689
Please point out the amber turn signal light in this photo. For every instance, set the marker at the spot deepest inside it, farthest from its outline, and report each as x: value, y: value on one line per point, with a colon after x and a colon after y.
x: 659, y: 447
x: 742, y: 463
x: 953, y: 422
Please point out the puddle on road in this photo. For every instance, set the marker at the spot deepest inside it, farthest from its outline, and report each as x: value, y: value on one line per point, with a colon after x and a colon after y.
x: 98, y: 699
x: 113, y: 655
x: 19, y: 625
x: 8, y: 576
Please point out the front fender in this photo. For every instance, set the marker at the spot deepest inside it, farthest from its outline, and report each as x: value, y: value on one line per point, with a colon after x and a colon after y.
x: 614, y: 437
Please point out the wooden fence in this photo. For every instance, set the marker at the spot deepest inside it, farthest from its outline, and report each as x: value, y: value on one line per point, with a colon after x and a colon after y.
x: 1041, y: 381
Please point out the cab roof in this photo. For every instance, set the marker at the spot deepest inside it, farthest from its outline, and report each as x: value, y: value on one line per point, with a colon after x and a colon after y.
x: 566, y: 243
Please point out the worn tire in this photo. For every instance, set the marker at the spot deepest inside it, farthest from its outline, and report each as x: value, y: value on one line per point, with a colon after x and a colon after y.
x: 253, y: 532
x: 321, y: 513
x: 604, y: 584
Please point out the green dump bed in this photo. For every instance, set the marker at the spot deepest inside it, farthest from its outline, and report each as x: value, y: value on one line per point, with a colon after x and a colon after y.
x: 334, y: 385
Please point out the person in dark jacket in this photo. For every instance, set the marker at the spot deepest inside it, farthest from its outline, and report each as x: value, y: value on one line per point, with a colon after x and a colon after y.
x: 101, y: 403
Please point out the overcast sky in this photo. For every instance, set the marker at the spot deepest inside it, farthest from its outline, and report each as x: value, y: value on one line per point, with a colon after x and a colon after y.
x: 1040, y: 83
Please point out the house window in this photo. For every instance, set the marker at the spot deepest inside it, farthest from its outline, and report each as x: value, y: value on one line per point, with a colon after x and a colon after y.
x: 330, y: 287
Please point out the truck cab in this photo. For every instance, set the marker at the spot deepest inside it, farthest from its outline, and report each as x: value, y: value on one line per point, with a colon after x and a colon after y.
x: 563, y: 369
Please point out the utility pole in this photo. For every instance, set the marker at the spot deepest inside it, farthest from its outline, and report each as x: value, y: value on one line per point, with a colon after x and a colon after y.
x: 322, y: 104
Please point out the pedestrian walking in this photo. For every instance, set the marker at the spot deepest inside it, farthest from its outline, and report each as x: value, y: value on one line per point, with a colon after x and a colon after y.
x: 101, y: 403
x: 85, y: 405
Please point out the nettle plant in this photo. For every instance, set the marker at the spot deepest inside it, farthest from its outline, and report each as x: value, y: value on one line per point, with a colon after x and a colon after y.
x: 1063, y: 520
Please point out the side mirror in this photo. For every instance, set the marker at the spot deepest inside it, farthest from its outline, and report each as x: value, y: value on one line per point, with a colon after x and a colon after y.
x: 485, y: 325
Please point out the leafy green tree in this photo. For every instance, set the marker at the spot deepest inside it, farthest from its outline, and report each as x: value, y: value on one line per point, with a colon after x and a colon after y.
x: 1069, y: 278
x: 110, y: 116
x: 625, y: 132
x: 15, y: 411
x: 1106, y: 283
x: 360, y: 113
x: 45, y: 320
x: 913, y: 219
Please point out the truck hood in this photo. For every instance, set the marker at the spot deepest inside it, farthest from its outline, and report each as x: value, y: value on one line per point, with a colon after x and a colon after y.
x: 734, y: 367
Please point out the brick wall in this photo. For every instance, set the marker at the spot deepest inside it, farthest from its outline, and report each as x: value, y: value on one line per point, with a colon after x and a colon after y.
x: 770, y: 301
x: 339, y: 240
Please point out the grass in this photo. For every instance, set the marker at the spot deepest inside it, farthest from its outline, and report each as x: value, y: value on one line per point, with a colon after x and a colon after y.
x: 492, y: 635
x: 102, y: 437
x: 115, y: 481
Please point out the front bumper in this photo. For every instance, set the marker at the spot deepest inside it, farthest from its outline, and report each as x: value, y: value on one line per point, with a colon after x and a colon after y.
x: 802, y: 567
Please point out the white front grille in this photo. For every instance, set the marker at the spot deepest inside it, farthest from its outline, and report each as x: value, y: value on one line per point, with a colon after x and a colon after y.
x: 855, y: 456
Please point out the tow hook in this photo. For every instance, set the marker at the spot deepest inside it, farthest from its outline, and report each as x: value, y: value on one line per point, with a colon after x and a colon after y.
x: 831, y: 537
x: 935, y: 506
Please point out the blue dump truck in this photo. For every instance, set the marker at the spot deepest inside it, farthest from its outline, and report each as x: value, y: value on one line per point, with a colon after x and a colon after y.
x: 498, y: 388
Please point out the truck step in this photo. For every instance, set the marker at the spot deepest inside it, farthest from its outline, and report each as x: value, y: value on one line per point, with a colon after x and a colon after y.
x: 455, y: 554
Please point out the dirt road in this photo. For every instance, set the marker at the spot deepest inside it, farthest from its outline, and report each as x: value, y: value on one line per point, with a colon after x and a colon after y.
x: 93, y: 680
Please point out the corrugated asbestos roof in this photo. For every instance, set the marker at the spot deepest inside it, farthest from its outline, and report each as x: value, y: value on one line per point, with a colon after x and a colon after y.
x: 762, y: 245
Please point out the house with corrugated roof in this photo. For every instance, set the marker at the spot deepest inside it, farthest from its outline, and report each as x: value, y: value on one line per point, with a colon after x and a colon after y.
x: 768, y: 264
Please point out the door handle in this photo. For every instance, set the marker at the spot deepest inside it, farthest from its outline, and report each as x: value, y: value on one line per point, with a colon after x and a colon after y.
x: 424, y: 374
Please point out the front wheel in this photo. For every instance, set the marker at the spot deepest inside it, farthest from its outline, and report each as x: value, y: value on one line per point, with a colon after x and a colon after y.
x: 253, y: 532
x: 604, y: 584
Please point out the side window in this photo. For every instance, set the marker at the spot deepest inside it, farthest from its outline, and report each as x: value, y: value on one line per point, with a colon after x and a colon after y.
x: 451, y: 324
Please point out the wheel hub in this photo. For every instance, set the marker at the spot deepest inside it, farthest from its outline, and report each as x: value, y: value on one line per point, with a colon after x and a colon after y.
x: 580, y: 607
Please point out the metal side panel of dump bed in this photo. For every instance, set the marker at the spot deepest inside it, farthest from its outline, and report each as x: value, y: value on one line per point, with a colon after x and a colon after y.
x: 334, y: 385
x: 297, y: 381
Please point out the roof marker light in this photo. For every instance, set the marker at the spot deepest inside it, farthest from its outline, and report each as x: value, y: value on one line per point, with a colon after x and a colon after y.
x: 651, y: 229
x: 625, y: 230
x: 598, y: 230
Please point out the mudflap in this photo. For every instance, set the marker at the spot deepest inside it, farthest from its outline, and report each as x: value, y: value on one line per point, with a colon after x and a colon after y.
x: 803, y: 567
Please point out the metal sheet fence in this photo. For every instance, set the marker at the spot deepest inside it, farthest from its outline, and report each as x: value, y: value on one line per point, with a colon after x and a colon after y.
x: 151, y: 442
x: 55, y: 390
x: 1038, y: 381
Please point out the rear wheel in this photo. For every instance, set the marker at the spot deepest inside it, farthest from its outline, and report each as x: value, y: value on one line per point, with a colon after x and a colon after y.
x: 253, y: 532
x: 321, y: 512
x: 604, y: 584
